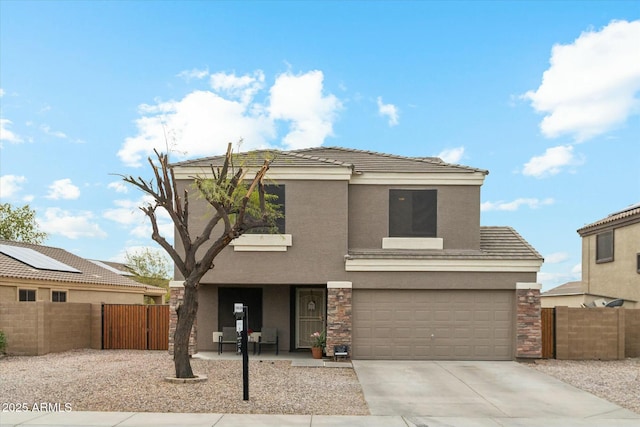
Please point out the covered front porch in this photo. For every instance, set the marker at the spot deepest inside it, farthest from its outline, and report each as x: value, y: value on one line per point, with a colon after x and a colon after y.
x: 296, y: 311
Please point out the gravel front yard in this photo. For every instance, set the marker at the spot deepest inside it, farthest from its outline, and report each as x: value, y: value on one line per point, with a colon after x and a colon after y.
x: 617, y: 381
x: 130, y: 380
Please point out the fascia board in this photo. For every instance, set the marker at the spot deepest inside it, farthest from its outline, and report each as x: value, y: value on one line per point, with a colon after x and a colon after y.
x: 275, y: 173
x: 405, y: 178
x: 513, y: 266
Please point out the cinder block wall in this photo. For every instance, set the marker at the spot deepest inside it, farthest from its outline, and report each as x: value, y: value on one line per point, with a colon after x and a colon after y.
x: 590, y: 334
x: 632, y: 333
x: 37, y: 328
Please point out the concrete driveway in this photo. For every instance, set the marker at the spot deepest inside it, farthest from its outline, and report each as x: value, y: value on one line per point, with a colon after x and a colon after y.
x: 488, y: 391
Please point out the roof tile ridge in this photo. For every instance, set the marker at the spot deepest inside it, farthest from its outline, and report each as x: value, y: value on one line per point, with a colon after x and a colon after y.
x: 298, y: 154
x: 428, y: 160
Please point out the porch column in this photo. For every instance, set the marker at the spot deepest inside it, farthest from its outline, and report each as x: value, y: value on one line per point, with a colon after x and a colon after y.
x: 528, y: 321
x: 176, y: 294
x: 339, y: 322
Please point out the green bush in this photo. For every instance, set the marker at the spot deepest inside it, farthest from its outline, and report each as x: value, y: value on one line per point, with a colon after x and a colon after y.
x: 3, y: 342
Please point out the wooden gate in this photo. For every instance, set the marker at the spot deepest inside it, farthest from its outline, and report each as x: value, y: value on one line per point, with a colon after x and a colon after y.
x: 135, y: 327
x: 548, y: 317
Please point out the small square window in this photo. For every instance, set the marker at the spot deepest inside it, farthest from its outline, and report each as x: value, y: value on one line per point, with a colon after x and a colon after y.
x: 413, y: 213
x: 27, y: 295
x: 59, y: 296
x: 604, y: 247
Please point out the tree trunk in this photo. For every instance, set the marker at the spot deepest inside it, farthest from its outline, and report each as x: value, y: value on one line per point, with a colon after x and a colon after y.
x: 186, y: 316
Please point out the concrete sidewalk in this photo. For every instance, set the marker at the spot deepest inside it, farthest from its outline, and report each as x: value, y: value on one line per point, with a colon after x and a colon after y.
x: 131, y: 419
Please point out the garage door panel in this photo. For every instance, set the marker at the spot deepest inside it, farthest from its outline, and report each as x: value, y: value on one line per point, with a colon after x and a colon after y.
x: 431, y: 324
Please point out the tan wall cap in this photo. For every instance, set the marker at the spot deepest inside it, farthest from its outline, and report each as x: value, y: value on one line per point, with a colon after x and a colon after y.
x: 343, y: 285
x: 525, y: 285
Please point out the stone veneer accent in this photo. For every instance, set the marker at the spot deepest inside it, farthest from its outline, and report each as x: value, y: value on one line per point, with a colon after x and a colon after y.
x: 528, y: 321
x: 176, y: 292
x: 339, y: 321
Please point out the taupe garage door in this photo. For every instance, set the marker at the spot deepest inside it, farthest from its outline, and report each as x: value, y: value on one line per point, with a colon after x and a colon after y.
x: 432, y: 325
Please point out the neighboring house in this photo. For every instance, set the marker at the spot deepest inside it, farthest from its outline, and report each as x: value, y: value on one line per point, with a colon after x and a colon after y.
x: 570, y: 294
x: 386, y: 252
x: 41, y: 273
x: 610, y: 264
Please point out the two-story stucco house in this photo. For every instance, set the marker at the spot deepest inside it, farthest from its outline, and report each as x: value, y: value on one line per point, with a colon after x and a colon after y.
x: 610, y: 264
x: 386, y: 252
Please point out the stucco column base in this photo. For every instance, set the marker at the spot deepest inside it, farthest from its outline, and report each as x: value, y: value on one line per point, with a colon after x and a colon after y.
x: 339, y: 321
x: 176, y: 293
x: 528, y: 321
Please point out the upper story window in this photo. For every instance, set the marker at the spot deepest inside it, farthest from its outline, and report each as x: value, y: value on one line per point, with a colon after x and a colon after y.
x: 27, y: 295
x: 638, y: 263
x: 413, y: 213
x: 58, y: 296
x: 276, y: 190
x: 604, y: 247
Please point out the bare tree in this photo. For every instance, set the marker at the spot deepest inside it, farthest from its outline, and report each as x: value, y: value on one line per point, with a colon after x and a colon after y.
x: 237, y: 209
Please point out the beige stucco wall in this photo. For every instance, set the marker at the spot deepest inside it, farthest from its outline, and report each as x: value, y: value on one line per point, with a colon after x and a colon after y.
x: 319, y: 237
x: 619, y: 278
x: 438, y: 280
x: 562, y: 301
x: 76, y: 293
x: 458, y: 219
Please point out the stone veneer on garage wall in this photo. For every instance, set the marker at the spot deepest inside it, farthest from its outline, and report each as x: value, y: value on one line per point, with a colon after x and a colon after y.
x: 176, y: 291
x: 339, y: 323
x: 528, y: 321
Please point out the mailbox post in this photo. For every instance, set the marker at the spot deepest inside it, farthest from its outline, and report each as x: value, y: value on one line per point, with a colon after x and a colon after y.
x: 241, y: 314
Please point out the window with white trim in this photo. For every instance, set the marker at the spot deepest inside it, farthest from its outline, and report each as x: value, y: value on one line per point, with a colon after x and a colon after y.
x: 604, y: 247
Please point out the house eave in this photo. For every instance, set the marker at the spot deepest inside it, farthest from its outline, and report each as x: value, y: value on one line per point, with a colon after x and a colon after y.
x: 443, y: 265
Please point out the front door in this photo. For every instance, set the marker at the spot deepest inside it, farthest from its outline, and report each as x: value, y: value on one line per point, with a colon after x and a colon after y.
x: 311, y: 305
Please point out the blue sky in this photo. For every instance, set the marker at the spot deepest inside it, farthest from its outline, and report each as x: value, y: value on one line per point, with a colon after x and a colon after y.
x: 545, y: 95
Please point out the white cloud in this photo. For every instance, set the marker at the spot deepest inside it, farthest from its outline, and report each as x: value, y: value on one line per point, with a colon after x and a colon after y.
x: 118, y: 186
x: 203, y: 122
x: 388, y: 110
x: 6, y: 134
x: 556, y: 258
x: 128, y: 214
x: 10, y: 184
x: 243, y: 88
x: 452, y: 155
x: 72, y: 226
x: 47, y: 130
x: 63, y: 189
x: 551, y: 162
x: 514, y: 205
x: 299, y: 99
x: 591, y: 85
x: 1, y: 92
x: 193, y: 74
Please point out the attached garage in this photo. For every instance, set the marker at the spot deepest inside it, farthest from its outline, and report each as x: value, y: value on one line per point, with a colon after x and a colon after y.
x: 433, y: 324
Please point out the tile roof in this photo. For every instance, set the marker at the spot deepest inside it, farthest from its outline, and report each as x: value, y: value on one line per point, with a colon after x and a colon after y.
x: 495, y: 243
x: 569, y: 288
x: 357, y: 160
x: 630, y: 214
x: 90, y: 273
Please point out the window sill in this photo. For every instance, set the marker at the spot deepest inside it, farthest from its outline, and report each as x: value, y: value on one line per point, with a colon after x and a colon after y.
x: 262, y: 243
x: 412, y: 243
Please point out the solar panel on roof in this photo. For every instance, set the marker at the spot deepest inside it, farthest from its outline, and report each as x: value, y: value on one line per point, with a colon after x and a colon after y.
x: 111, y: 269
x: 35, y: 259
